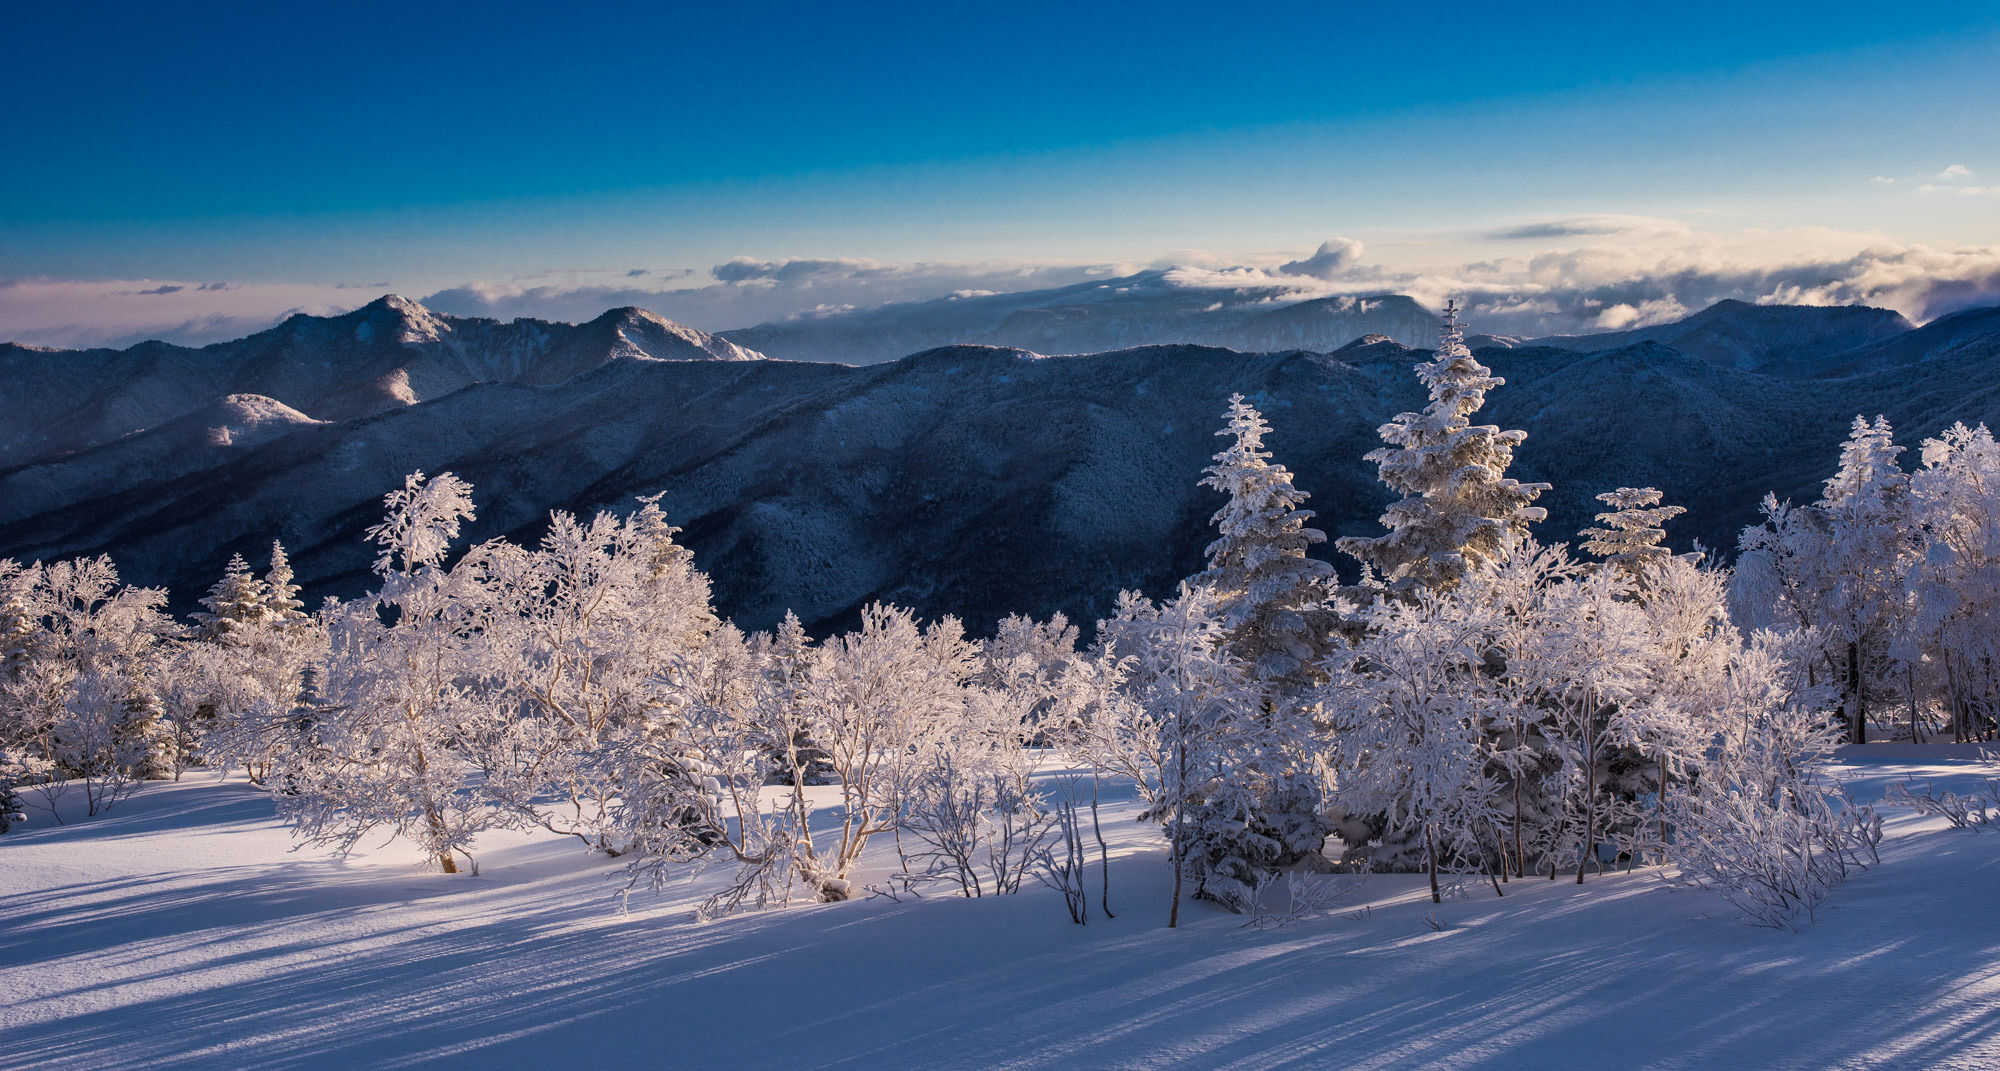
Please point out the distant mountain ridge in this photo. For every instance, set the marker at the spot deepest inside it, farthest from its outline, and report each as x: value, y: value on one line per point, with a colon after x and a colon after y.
x: 973, y: 480
x: 387, y: 354
x: 1146, y: 309
x: 1774, y: 339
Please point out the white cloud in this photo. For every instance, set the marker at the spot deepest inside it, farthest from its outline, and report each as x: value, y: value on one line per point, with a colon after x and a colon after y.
x: 1332, y: 258
x: 1649, y: 272
x: 1883, y: 180
x: 1959, y: 191
x: 1955, y: 171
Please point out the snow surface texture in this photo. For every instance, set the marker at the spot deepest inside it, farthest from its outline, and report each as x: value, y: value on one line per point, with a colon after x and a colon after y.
x: 182, y: 930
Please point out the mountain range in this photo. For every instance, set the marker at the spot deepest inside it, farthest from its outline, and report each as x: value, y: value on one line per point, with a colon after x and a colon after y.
x: 1149, y: 308
x: 970, y: 479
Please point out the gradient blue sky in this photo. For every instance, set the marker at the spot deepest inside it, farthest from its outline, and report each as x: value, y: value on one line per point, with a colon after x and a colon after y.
x: 291, y: 150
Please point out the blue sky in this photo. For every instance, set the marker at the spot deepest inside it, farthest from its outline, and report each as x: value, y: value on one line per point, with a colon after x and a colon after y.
x: 291, y: 151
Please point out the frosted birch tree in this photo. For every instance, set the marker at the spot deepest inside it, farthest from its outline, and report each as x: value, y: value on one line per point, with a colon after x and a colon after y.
x: 405, y: 687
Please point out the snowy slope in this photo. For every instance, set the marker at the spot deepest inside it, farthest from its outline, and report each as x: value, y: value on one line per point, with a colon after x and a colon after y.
x: 182, y: 931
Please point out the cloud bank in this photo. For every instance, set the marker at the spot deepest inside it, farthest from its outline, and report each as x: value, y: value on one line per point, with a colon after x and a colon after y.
x: 1592, y: 273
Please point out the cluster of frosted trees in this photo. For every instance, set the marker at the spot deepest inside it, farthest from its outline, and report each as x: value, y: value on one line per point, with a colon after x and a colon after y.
x: 1898, y: 575
x: 1479, y: 707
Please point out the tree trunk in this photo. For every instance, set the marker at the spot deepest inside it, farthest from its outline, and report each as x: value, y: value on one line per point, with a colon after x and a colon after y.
x: 1858, y: 732
x: 1663, y: 809
x: 1175, y: 841
x: 1589, y: 804
x: 1430, y: 850
x: 1518, y: 861
x: 1910, y: 689
x: 1103, y: 852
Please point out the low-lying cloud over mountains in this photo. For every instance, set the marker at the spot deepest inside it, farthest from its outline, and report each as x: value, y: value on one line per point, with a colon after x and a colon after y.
x: 1531, y: 277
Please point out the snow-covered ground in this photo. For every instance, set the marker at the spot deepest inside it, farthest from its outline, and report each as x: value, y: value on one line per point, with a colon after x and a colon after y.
x: 183, y: 929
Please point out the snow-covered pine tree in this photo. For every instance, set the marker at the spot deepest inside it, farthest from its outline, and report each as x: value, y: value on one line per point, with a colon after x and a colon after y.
x: 1459, y: 508
x: 1631, y: 536
x: 1268, y: 592
x: 235, y: 604
x: 281, y: 593
x: 1273, y: 603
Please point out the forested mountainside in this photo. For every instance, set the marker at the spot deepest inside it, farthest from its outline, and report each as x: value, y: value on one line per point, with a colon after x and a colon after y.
x: 971, y: 480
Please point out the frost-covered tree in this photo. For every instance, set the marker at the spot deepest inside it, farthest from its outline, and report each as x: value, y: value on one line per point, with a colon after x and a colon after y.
x: 236, y: 603
x: 1459, y: 509
x: 1270, y: 595
x: 1632, y: 532
x: 236, y: 686
x: 1687, y: 643
x: 1274, y: 604
x: 879, y: 704
x: 1587, y: 663
x: 1955, y: 580
x: 281, y: 592
x: 1410, y: 704
x: 1839, y: 567
x: 1513, y: 596
x: 1764, y: 825
x: 573, y: 632
x: 405, y: 690
x: 1197, y: 722
x: 80, y: 704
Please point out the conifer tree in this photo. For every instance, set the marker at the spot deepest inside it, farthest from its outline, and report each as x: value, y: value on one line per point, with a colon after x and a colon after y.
x: 281, y: 595
x: 1631, y: 536
x: 235, y: 604
x: 1459, y: 509
x: 1268, y: 591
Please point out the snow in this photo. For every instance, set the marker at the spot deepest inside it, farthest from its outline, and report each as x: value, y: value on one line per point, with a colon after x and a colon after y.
x: 182, y: 929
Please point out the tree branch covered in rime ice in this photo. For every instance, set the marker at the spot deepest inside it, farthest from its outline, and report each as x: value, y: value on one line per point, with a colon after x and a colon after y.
x: 80, y: 699
x: 1764, y: 826
x: 1409, y: 705
x: 406, y: 687
x: 576, y: 630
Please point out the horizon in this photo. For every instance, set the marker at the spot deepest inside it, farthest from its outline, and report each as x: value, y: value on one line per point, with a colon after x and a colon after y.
x: 387, y: 297
x: 1569, y: 171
